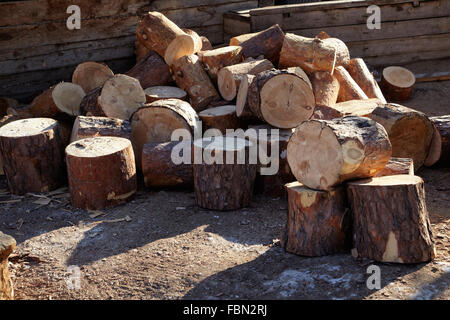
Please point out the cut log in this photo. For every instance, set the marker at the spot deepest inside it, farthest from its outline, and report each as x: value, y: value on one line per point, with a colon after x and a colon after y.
x: 313, y: 54
x: 156, y: 121
x: 359, y: 108
x: 7, y: 245
x: 206, y: 44
x: 221, y: 182
x: 164, y: 92
x: 348, y: 88
x: 325, y: 88
x: 439, y: 153
x: 265, y: 43
x: 101, y: 172
x: 21, y: 110
x: 140, y: 51
x: 242, y: 103
x: 216, y: 59
x: 358, y: 70
x: 90, y: 75
x: 317, y: 221
x: 397, y: 166
x: 396, y: 229
x: 302, y: 74
x: 397, y: 83
x: 7, y: 103
x: 198, y: 42
x: 326, y: 113
x: 90, y: 104
x: 410, y: 131
x: 151, y: 71
x: 221, y: 118
x: 159, y: 167
x: 61, y: 99
x: 33, y: 155
x: 324, y: 153
x: 229, y: 78
x: 190, y: 76
x: 280, y: 98
x: 87, y: 127
x: 159, y: 34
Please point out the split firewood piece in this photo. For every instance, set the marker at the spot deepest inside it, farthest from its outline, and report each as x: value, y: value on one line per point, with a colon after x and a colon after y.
x: 397, y: 83
x: 61, y: 99
x: 90, y: 75
x: 265, y: 43
x: 155, y: 122
x: 151, y: 71
x: 7, y: 245
x: 324, y: 153
x: 159, y: 34
x: 164, y: 92
x: 216, y: 59
x: 190, y: 76
x: 410, y: 131
x: 280, y: 98
x: 439, y: 153
x: 317, y: 221
x: 348, y: 88
x: 224, y: 179
x: 101, y: 172
x: 397, y: 228
x: 87, y: 127
x: 198, y: 42
x: 358, y: 70
x: 7, y: 103
x: 140, y: 51
x: 33, y: 155
x: 313, y: 54
x: 165, y: 164
x: 229, y: 78
x: 397, y: 166
x: 119, y: 97
x: 221, y: 118
x: 326, y: 89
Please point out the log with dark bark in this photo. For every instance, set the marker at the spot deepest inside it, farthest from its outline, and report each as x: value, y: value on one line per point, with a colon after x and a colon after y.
x: 33, y: 155
x: 348, y: 88
x: 7, y: 245
x: 164, y: 92
x: 317, y: 221
x: 439, y: 153
x: 358, y: 70
x: 151, y: 71
x: 397, y: 83
x: 324, y: 153
x: 101, y: 172
x: 220, y: 118
x: 216, y: 59
x: 90, y: 75
x: 165, y: 164
x: 397, y: 166
x: 390, y: 219
x: 87, y: 127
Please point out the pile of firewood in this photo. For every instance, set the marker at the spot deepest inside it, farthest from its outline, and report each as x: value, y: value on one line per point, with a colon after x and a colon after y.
x: 341, y: 144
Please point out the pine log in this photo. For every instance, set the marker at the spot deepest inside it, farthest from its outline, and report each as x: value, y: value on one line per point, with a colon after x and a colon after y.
x: 90, y: 75
x: 198, y: 42
x: 220, y: 118
x: 242, y: 102
x: 140, y: 51
x: 439, y: 153
x: 192, y: 78
x: 359, y: 108
x: 4, y: 121
x: 317, y: 221
x: 397, y: 166
x: 101, y: 172
x: 206, y: 44
x: 229, y: 78
x: 324, y: 153
x: 33, y: 155
x: 164, y: 92
x: 390, y: 219
x: 265, y: 43
x: 151, y: 71
x: 159, y: 167
x: 223, y: 183
x: 348, y: 88
x: 397, y: 83
x: 280, y: 98
x: 302, y: 74
x: 87, y: 127
x: 159, y: 34
x: 216, y: 59
x: 325, y: 88
x: 7, y: 245
x: 358, y: 70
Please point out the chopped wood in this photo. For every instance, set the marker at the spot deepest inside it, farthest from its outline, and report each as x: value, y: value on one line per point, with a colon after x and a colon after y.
x: 397, y: 166
x: 397, y: 83
x: 87, y: 127
x: 164, y: 92
x: 220, y: 118
x: 216, y: 59
x: 348, y: 88
x: 439, y: 153
x: 358, y: 70
x: 90, y: 75
x: 151, y: 71
x: 198, y: 42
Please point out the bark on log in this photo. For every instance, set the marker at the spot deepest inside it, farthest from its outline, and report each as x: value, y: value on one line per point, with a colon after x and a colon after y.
x: 33, y: 155
x: 265, y: 43
x: 348, y: 88
x: 220, y: 118
x: 324, y: 153
x: 326, y: 113
x: 221, y: 185
x: 439, y: 153
x: 317, y: 222
x: 242, y: 102
x: 159, y: 34
x: 159, y: 168
x: 87, y: 127
x: 358, y: 70
x: 216, y: 59
x: 7, y: 245
x: 397, y: 166
x: 90, y: 75
x: 4, y: 121
x: 140, y: 51
x: 101, y: 171
x: 229, y: 78
x: 190, y: 76
x: 164, y: 92
x: 397, y: 83
x: 325, y: 88
x: 396, y: 229
x: 151, y: 71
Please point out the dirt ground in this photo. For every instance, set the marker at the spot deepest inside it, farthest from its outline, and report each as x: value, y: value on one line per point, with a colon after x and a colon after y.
x: 162, y: 246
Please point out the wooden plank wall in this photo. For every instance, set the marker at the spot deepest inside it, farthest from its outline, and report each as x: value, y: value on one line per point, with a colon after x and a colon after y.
x: 37, y: 50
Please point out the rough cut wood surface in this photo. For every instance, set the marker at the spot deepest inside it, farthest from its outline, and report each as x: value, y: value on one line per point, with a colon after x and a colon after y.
x: 439, y: 153
x: 358, y: 70
x: 90, y: 75
x: 220, y: 118
x: 397, y: 83
x: 396, y: 229
x: 87, y: 127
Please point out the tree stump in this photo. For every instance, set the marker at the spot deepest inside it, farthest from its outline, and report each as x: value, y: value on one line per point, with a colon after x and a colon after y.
x: 101, y: 171
x: 87, y: 127
x: 90, y: 75
x: 163, y: 169
x: 151, y: 71
x: 317, y: 222
x: 164, y: 92
x: 358, y: 70
x: 221, y: 118
x: 397, y: 228
x: 33, y: 155
x: 397, y: 166
x: 324, y: 153
x: 216, y: 59
x: 348, y: 88
x: 397, y: 83
x: 439, y: 153
x: 7, y: 245
x: 220, y: 184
